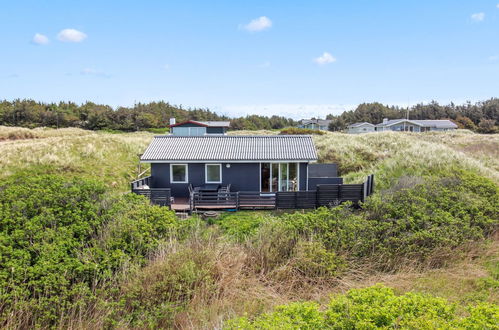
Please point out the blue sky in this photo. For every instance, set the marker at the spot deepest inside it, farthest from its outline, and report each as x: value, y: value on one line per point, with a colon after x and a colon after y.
x: 293, y: 58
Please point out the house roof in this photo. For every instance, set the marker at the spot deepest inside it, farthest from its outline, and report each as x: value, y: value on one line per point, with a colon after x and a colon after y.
x: 360, y: 124
x: 320, y: 122
x: 258, y: 148
x: 442, y: 123
x: 205, y: 123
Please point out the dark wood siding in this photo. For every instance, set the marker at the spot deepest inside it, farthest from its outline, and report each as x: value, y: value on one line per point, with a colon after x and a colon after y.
x: 241, y: 176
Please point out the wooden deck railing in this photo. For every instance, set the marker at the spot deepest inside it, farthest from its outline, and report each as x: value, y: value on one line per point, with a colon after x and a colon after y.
x: 138, y: 184
x: 325, y: 195
x: 256, y: 200
x: 215, y: 200
x: 157, y: 196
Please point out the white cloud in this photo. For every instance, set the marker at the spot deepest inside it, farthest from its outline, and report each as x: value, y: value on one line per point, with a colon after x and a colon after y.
x: 497, y: 6
x: 93, y: 72
x: 494, y: 58
x: 40, y: 39
x: 258, y: 24
x: 478, y: 17
x: 325, y: 58
x: 71, y: 35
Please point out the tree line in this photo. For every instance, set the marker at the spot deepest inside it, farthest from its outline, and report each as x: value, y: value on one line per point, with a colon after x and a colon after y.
x: 482, y: 116
x: 92, y: 116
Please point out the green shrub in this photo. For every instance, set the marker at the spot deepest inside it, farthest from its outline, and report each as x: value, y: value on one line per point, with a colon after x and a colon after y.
x: 163, y: 130
x: 379, y: 307
x: 60, y: 237
x: 376, y: 307
x: 301, y: 131
x: 241, y: 225
x: 304, y: 315
x: 441, y: 213
x: 433, y: 214
x: 312, y: 259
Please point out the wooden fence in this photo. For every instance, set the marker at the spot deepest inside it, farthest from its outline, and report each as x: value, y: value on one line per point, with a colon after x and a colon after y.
x: 325, y: 195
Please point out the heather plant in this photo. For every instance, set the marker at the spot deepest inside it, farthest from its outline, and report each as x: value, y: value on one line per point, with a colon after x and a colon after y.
x: 60, y: 238
x: 376, y: 307
x: 421, y: 222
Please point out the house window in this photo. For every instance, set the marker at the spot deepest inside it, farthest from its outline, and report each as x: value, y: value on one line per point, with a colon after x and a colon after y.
x: 213, y: 173
x: 279, y: 177
x: 178, y: 173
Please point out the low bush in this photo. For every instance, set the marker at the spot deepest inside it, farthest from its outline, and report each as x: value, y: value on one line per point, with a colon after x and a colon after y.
x: 372, y: 308
x: 301, y: 131
x: 422, y: 222
x: 241, y: 225
x: 60, y: 238
x: 164, y: 288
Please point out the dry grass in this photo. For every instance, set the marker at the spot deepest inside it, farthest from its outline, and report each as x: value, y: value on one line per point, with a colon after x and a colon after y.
x: 112, y: 158
x: 459, y: 282
x: 233, y: 284
x: 392, y: 154
x: 21, y: 133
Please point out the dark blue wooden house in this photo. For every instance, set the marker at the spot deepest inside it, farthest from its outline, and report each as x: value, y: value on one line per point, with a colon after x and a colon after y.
x: 192, y: 170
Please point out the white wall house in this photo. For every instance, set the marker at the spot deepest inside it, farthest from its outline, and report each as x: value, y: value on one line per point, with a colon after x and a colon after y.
x: 316, y: 124
x: 406, y: 125
x: 359, y: 128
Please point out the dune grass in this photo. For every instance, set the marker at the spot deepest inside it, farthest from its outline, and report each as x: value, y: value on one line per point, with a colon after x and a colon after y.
x: 393, y: 154
x: 113, y: 158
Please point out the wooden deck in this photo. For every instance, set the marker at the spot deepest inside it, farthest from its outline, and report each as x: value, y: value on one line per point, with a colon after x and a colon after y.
x: 181, y: 204
x: 326, y: 195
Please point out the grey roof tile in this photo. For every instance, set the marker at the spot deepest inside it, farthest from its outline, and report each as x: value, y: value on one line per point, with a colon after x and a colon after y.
x: 441, y: 123
x: 230, y: 148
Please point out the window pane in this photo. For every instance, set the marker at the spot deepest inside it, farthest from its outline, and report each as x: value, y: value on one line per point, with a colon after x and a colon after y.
x: 265, y: 177
x: 180, y: 131
x: 293, y: 176
x: 284, y: 177
x: 179, y: 173
x: 213, y: 173
x: 275, y: 176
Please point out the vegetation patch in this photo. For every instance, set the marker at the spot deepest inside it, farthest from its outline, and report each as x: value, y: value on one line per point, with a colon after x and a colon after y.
x: 373, y: 308
x: 60, y: 238
x: 301, y: 131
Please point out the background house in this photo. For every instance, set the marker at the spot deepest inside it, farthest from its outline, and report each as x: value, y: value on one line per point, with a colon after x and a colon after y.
x: 316, y: 124
x: 358, y: 128
x: 406, y: 125
x: 198, y: 128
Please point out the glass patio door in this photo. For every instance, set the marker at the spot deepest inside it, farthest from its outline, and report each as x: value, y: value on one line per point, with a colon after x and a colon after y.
x: 279, y: 177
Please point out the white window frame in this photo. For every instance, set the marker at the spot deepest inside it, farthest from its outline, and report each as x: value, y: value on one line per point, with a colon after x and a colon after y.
x: 206, y: 172
x: 279, y: 176
x: 186, y: 173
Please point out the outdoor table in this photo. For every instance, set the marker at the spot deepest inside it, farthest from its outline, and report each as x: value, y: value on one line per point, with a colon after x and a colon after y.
x: 209, y: 188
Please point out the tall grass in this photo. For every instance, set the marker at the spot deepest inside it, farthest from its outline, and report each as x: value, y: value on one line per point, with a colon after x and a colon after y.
x: 394, y: 154
x: 110, y: 157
